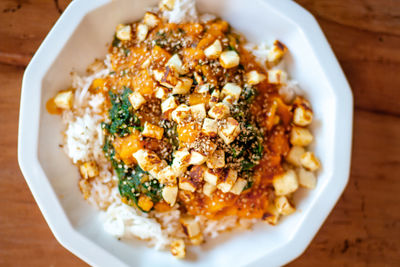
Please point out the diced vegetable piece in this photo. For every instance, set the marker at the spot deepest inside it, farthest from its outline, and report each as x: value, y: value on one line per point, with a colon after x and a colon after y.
x: 238, y: 187
x: 229, y: 59
x: 198, y: 98
x: 188, y: 132
x: 285, y: 183
x: 64, y: 99
x: 145, y: 203
x: 126, y: 146
x: 89, y: 170
x: 310, y: 161
x: 300, y: 136
x: 152, y: 131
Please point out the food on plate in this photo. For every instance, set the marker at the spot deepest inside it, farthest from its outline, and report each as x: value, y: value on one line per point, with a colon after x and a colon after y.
x: 186, y: 130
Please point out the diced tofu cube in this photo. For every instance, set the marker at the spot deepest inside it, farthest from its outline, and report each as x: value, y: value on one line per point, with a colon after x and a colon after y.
x: 137, y: 100
x: 276, y: 53
x: 300, y: 136
x: 198, y: 78
x: 197, y: 240
x: 307, y: 179
x: 197, y: 158
x: 214, y: 99
x: 211, y: 177
x: 182, y: 87
x: 175, y: 63
x: 254, y: 77
x: 227, y: 181
x: 166, y: 5
x: 167, y: 175
x: 210, y: 127
x: 229, y: 130
x: 123, y: 32
x: 181, y: 113
x: 181, y: 161
x: 190, y: 225
x: 219, y: 111
x: 238, y: 187
x: 158, y: 168
x: 294, y: 155
x: 208, y: 189
x: 168, y: 104
x: 141, y: 31
x: 283, y: 205
x: 145, y: 203
x: 169, y: 194
x: 89, y: 170
x: 203, y: 88
x: 309, y: 161
x: 161, y: 92
x: 152, y: 131
x: 214, y: 50
x: 229, y: 59
x: 185, y: 183
x: 146, y: 159
x: 216, y: 160
x: 232, y: 90
x: 277, y: 76
x: 64, y: 99
x: 198, y: 111
x: 178, y: 249
x: 151, y: 20
x: 272, y: 215
x: 302, y: 116
x: 285, y: 183
x: 158, y: 75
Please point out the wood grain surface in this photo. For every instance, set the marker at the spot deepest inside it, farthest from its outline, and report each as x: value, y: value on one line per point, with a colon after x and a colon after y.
x: 364, y: 227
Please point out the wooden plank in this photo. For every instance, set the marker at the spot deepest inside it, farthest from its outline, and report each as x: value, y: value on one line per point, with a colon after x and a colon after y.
x: 363, y: 228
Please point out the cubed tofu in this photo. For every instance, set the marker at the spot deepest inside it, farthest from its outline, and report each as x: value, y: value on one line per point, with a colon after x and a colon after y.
x: 175, y: 63
x: 285, y: 183
x: 137, y: 100
x: 185, y: 183
x: 158, y: 75
x: 166, y: 5
x: 216, y: 160
x: 152, y: 131
x: 283, y: 205
x: 190, y: 226
x: 158, y: 168
x: 151, y: 20
x: 181, y: 114
x: 254, y: 77
x: 229, y: 59
x: 210, y: 127
x: 167, y: 175
x: 307, y: 179
x: 198, y: 111
x: 276, y: 53
x: 294, y: 155
x: 197, y: 158
x: 232, y: 90
x: 219, y: 111
x: 277, y: 77
x: 168, y: 104
x: 64, y: 99
x: 227, y: 181
x: 229, y: 130
x: 214, y: 50
x: 197, y: 240
x: 89, y: 170
x: 141, y: 32
x: 123, y: 32
x: 211, y: 177
x: 204, y: 88
x: 238, y: 187
x: 182, y: 87
x: 161, y: 92
x: 310, y: 161
x: 178, y: 249
x: 169, y: 194
x: 302, y: 116
x: 300, y: 136
x: 209, y: 189
x: 146, y: 159
x: 272, y: 215
x: 214, y: 99
x: 181, y: 161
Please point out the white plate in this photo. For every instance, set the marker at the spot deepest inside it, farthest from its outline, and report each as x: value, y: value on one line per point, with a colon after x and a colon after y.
x: 80, y: 36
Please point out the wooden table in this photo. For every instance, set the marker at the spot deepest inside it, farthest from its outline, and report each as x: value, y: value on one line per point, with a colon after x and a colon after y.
x: 363, y: 229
